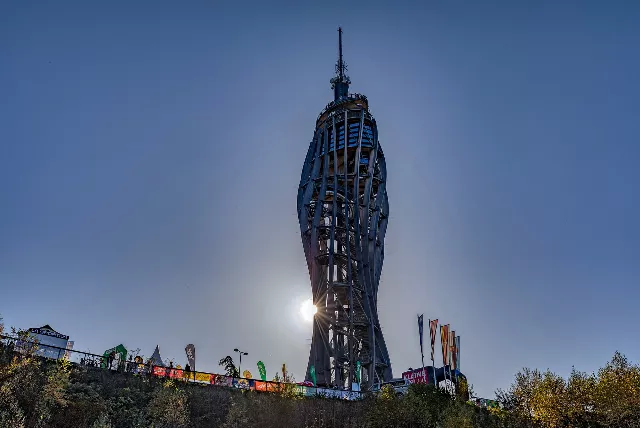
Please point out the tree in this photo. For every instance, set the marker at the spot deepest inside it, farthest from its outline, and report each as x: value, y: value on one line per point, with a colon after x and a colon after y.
x: 616, y: 396
x: 53, y: 396
x: 426, y: 404
x: 458, y: 415
x: 229, y: 367
x: 579, y: 398
x: 548, y: 401
x: 102, y: 422
x: 21, y: 383
x: 464, y: 391
x: 518, y: 399
x: 169, y: 407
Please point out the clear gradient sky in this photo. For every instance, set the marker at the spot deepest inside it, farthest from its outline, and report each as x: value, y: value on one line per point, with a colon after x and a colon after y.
x: 150, y: 154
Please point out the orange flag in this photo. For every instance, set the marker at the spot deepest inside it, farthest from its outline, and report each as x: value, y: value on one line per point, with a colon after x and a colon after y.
x: 444, y: 339
x: 452, y: 349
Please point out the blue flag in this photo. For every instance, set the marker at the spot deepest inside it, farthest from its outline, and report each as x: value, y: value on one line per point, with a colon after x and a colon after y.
x: 421, y: 330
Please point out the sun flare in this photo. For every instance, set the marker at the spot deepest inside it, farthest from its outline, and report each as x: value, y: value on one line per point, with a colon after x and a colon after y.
x: 308, y: 310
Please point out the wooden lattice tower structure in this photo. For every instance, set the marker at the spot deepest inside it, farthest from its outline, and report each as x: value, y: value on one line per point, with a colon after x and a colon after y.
x: 343, y: 211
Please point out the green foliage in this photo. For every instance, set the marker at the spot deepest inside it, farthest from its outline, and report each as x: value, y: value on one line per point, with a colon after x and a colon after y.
x: 11, y: 415
x: 22, y: 381
x: 168, y: 407
x: 427, y: 404
x: 388, y: 410
x: 458, y: 416
x: 238, y: 415
x: 53, y: 396
x: 85, y: 404
x: 102, y: 422
x: 126, y: 409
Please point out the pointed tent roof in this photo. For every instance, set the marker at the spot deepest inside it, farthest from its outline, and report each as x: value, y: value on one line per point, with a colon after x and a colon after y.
x: 157, y: 360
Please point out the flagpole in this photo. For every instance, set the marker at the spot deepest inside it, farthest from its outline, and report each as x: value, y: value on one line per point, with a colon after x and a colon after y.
x: 453, y: 386
x: 457, y: 341
x: 445, y: 356
x: 433, y: 362
x: 450, y: 359
x: 421, y: 330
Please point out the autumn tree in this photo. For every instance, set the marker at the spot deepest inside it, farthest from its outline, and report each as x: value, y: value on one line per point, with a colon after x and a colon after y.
x: 579, y: 394
x: 616, y: 398
x: 547, y: 401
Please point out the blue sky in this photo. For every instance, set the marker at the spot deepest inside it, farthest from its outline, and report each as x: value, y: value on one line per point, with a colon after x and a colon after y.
x: 150, y: 155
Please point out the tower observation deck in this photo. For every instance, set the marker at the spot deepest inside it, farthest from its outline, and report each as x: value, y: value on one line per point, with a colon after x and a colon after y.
x: 343, y: 211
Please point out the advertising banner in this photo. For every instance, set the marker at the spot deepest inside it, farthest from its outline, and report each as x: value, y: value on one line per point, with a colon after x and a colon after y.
x: 167, y: 372
x: 197, y: 376
x: 273, y: 387
x: 48, y: 331
x: 418, y: 375
x: 242, y: 383
x: 262, y: 370
x: 221, y: 380
x: 190, y: 350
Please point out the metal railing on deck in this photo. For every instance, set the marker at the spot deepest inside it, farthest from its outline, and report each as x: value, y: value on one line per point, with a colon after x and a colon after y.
x: 348, y: 98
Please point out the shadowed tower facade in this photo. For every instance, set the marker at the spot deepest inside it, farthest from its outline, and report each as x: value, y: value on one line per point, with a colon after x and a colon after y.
x: 343, y: 211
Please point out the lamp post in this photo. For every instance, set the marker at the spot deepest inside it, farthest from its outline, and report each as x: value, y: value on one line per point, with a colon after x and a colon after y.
x: 240, y: 365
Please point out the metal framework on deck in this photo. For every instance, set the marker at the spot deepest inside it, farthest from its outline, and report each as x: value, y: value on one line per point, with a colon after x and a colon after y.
x: 343, y: 211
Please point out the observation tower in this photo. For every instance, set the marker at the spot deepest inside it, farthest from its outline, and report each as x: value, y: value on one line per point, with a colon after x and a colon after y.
x: 343, y: 211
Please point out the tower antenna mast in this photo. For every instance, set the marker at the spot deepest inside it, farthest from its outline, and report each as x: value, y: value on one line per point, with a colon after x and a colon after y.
x: 340, y: 63
x: 340, y: 82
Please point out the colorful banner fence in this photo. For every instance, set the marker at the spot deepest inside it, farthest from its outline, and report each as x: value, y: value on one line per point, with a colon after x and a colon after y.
x: 250, y: 384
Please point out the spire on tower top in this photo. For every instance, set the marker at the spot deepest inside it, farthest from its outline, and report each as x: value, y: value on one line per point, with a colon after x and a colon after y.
x: 341, y: 67
x: 340, y: 83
